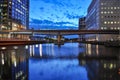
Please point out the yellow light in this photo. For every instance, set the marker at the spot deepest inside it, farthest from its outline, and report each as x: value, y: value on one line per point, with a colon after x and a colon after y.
x: 105, y: 65
x: 111, y: 66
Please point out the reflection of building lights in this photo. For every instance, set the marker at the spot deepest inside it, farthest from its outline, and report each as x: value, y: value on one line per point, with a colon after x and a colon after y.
x: 36, y: 45
x: 3, y: 48
x: 105, y: 65
x: 111, y: 66
x: 26, y: 47
x: 30, y: 50
x: 89, y: 49
x: 3, y: 62
x: 15, y: 63
x: 40, y: 50
x: 15, y: 47
x: 97, y: 49
x: 52, y: 49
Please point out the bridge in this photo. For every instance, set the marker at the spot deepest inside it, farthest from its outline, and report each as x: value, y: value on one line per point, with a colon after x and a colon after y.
x: 58, y: 33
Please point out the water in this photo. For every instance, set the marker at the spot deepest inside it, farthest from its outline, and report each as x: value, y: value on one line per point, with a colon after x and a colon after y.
x: 50, y: 62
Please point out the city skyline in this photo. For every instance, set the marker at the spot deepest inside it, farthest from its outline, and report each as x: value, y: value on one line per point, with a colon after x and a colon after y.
x: 57, y: 13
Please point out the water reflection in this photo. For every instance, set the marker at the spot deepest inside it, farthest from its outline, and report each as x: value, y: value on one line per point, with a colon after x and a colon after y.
x: 13, y: 63
x: 102, y: 68
x: 53, y: 51
x: 68, y: 62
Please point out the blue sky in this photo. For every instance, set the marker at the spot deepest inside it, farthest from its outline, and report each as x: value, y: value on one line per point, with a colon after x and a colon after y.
x: 57, y: 13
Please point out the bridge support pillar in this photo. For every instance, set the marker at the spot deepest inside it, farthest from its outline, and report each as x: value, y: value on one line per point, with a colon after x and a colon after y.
x: 59, y: 38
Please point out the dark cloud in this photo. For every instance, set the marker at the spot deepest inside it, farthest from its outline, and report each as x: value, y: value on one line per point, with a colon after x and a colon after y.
x: 47, y: 22
x: 37, y: 21
x: 71, y: 16
x: 42, y: 8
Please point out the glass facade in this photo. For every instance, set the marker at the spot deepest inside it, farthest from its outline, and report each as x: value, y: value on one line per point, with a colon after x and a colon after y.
x: 14, y: 14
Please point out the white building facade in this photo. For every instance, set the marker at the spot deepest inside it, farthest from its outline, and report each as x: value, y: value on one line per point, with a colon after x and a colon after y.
x: 103, y: 15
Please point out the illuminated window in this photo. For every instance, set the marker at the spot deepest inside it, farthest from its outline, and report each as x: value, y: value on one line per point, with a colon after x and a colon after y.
x: 101, y: 27
x: 111, y: 7
x: 101, y: 12
x: 114, y: 7
x: 105, y: 22
x: 111, y: 12
x: 102, y: 3
x: 118, y: 28
x: 111, y: 22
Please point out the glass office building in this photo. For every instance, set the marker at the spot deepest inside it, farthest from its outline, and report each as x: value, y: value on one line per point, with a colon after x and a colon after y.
x: 103, y: 15
x: 14, y: 14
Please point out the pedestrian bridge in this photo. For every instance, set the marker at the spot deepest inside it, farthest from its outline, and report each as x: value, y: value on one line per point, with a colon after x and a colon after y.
x: 60, y: 32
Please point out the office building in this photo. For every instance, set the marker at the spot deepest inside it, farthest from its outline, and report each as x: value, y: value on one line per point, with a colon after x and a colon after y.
x: 82, y: 26
x: 103, y: 15
x: 14, y: 14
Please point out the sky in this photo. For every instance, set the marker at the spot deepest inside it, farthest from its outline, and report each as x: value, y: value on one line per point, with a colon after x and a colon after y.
x: 53, y: 14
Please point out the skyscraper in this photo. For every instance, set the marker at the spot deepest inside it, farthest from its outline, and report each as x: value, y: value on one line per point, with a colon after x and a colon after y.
x: 103, y: 15
x: 14, y: 14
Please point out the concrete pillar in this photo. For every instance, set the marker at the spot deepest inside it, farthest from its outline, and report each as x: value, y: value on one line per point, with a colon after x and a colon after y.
x: 59, y: 38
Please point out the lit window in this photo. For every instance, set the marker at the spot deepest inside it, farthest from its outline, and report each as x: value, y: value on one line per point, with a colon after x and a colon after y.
x: 101, y: 27
x: 101, y: 12
x: 102, y: 3
x: 118, y: 28
x: 111, y: 22
x: 105, y: 22
x: 111, y: 12
x: 114, y: 7
x: 111, y: 7
x: 115, y: 22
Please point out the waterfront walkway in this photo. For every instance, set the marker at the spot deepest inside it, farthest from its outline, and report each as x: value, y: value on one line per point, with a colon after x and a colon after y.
x: 16, y: 41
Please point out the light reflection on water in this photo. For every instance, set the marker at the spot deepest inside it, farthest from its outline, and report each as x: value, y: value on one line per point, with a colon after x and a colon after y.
x: 50, y: 62
x: 51, y: 50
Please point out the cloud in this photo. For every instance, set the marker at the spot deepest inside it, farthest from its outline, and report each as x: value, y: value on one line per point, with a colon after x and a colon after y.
x: 50, y: 23
x: 42, y: 8
x: 71, y: 16
x: 57, y: 2
x: 37, y: 21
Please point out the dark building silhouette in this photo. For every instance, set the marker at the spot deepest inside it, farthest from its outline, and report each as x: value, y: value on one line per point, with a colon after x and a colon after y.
x: 14, y: 14
x: 82, y: 24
